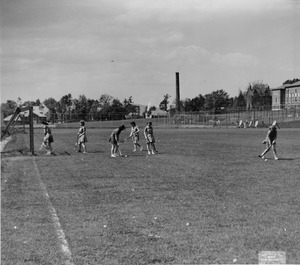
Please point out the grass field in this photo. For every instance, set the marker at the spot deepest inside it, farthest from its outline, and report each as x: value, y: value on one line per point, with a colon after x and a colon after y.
x: 205, y: 198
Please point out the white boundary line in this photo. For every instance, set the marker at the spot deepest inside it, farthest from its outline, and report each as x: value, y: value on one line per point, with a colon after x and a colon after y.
x: 5, y: 142
x: 58, y: 229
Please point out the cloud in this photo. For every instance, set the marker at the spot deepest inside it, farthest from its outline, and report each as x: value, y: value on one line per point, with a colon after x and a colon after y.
x: 192, y: 51
x: 198, y: 55
x: 234, y: 60
x: 192, y: 10
x: 134, y: 47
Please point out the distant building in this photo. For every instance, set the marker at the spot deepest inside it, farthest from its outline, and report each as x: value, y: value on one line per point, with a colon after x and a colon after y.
x: 139, y: 109
x: 40, y: 114
x: 158, y: 114
x: 286, y: 96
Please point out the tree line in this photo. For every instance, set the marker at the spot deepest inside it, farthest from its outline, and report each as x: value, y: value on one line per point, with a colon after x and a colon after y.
x: 219, y: 101
x: 107, y: 107
x: 104, y: 108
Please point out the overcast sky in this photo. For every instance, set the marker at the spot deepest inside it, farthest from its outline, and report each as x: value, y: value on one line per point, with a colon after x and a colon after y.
x: 123, y: 48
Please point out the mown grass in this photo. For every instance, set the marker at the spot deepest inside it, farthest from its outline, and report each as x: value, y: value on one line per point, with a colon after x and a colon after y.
x: 27, y: 235
x: 205, y: 198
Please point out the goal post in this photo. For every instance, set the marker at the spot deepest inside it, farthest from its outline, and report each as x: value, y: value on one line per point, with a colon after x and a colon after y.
x: 11, y: 122
x: 14, y: 118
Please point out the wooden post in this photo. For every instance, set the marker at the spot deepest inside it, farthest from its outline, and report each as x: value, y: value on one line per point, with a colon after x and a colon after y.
x: 23, y: 123
x: 31, y: 130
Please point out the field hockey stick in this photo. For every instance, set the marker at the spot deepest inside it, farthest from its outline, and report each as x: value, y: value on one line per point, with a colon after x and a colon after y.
x: 126, y: 139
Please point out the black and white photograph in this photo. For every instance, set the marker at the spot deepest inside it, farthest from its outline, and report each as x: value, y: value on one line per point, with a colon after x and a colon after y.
x: 150, y: 132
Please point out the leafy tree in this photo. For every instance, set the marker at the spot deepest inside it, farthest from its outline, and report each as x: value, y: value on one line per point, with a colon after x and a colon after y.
x: 241, y: 102
x: 163, y: 105
x: 216, y: 101
x: 116, y: 111
x: 172, y: 108
x: 94, y: 109
x: 19, y: 101
x: 194, y: 104
x: 104, y: 104
x: 29, y: 103
x: 82, y: 100
x: 64, y: 106
x: 8, y: 108
x: 128, y: 105
x: 91, y: 105
x: 238, y: 102
x: 51, y: 104
x: 65, y: 103
x: 262, y: 96
x: 149, y: 111
x: 82, y: 107
x: 37, y: 102
x: 105, y: 100
x: 111, y: 110
x: 128, y: 102
x: 116, y: 103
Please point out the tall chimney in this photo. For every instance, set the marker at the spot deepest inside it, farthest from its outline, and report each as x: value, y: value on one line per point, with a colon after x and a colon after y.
x: 177, y: 92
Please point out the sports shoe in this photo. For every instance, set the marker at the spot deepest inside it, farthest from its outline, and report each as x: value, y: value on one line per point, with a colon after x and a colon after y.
x: 153, y: 153
x: 113, y: 155
x: 149, y: 153
x: 276, y: 158
x: 261, y: 156
x: 134, y: 150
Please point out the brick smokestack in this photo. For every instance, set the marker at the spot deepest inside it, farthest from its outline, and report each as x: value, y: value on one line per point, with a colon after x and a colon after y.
x: 177, y: 92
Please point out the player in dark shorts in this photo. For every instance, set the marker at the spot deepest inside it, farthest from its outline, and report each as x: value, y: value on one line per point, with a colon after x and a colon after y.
x: 270, y: 140
x: 114, y: 139
x: 48, y: 139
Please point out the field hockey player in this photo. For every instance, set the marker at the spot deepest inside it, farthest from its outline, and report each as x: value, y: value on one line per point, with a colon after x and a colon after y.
x: 134, y: 135
x: 81, y: 137
x: 48, y: 139
x: 114, y: 139
x: 150, y: 141
x: 270, y: 140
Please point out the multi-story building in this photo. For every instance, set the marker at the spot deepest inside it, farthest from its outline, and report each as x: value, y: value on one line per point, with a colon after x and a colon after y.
x: 286, y: 96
